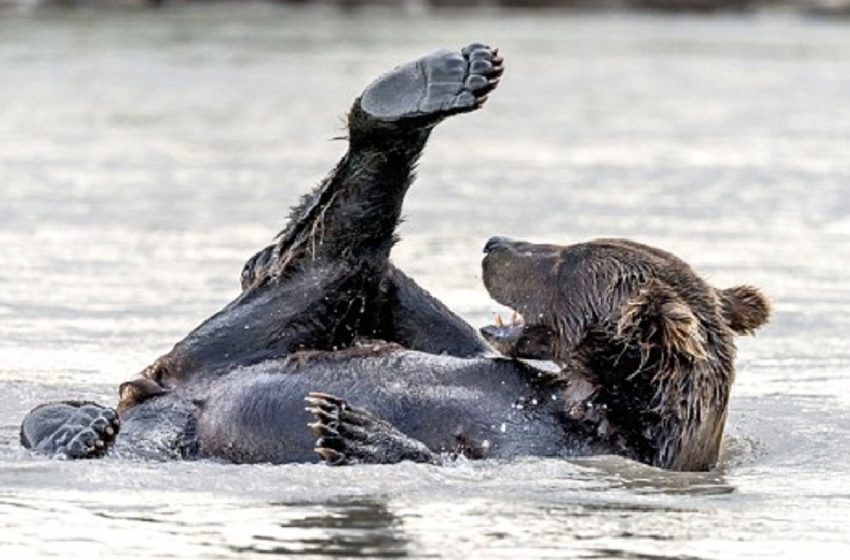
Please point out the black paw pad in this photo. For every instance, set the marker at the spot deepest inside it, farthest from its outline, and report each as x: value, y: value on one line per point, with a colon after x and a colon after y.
x: 92, y: 439
x: 71, y: 430
x: 435, y: 86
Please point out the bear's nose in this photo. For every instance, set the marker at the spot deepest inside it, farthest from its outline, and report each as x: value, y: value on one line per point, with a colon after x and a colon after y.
x: 497, y: 242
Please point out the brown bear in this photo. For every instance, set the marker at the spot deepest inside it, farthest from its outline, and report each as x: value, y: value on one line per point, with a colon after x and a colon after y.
x: 645, y: 346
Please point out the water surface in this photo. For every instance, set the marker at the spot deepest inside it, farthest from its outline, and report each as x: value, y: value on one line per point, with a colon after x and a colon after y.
x: 145, y: 155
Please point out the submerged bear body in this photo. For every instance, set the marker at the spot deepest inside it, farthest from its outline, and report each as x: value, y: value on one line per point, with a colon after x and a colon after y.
x: 476, y: 407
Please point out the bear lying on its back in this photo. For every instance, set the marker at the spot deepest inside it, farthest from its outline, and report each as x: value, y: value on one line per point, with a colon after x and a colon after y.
x: 646, y: 349
x: 646, y: 345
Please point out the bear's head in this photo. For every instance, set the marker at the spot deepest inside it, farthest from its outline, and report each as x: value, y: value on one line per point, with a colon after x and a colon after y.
x: 646, y: 346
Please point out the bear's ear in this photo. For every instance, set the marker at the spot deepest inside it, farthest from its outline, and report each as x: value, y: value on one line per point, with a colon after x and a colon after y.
x: 744, y: 308
x: 657, y: 315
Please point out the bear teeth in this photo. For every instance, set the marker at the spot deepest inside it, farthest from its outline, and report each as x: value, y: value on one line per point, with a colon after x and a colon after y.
x: 516, y: 320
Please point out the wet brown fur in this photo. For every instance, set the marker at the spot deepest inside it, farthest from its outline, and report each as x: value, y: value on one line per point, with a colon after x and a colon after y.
x: 645, y: 343
x: 361, y: 349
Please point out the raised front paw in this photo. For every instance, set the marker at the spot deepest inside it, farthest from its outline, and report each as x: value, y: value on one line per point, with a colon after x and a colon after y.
x: 350, y: 436
x: 71, y: 429
x: 437, y: 85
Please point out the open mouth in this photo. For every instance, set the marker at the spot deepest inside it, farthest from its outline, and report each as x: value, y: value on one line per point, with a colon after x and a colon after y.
x: 522, y: 276
x: 501, y: 333
x: 519, y: 339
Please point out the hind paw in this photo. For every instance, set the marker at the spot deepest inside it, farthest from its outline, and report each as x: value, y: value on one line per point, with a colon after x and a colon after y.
x: 73, y: 430
x: 438, y: 85
x: 349, y: 435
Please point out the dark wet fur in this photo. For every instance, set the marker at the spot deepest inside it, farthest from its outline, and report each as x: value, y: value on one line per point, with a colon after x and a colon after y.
x: 450, y: 405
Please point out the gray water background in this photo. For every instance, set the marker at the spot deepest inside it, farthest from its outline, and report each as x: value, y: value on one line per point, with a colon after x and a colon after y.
x: 145, y: 155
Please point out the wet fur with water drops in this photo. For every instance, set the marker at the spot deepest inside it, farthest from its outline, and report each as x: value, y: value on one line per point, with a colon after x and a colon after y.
x: 331, y: 353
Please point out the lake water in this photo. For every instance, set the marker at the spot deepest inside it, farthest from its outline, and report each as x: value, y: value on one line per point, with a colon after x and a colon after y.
x: 145, y: 155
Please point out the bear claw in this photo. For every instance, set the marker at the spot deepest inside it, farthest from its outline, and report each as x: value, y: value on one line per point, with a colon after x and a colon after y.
x: 349, y: 435
x: 329, y: 456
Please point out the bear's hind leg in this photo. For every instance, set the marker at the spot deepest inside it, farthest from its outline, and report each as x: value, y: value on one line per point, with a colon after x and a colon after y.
x: 352, y: 215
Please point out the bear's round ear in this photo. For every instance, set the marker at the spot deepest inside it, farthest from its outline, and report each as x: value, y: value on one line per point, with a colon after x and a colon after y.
x: 744, y: 308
